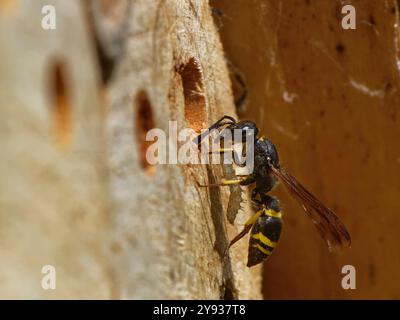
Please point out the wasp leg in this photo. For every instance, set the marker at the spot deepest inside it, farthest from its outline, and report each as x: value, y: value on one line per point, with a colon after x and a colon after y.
x: 234, y: 155
x: 247, y: 227
x: 238, y: 160
x: 222, y: 150
x: 242, y: 181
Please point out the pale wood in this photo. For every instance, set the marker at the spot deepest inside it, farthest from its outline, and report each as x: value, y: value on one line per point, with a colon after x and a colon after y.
x: 53, y: 198
x: 83, y: 203
x: 172, y: 233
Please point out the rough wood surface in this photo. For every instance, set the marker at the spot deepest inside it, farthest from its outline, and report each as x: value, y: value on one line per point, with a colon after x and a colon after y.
x: 53, y: 187
x: 172, y: 233
x: 75, y: 192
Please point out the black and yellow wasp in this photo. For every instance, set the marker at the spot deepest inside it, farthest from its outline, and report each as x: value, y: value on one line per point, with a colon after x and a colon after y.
x: 266, y: 224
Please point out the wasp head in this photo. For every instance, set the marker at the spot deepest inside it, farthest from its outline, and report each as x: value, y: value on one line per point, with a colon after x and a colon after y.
x: 247, y: 129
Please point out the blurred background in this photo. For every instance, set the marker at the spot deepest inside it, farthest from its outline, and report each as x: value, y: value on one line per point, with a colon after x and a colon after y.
x: 329, y: 100
x: 77, y: 101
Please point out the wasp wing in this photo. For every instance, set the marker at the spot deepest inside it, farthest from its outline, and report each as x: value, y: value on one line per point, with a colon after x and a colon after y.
x: 325, y: 220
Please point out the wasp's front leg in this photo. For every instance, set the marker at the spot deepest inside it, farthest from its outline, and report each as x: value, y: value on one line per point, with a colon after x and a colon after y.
x: 244, y: 181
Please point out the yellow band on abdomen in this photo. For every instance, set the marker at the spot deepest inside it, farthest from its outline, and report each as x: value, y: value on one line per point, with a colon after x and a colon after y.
x: 264, y: 240
x: 263, y: 250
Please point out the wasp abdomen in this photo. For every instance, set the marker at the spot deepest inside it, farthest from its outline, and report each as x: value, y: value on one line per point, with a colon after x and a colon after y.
x: 264, y: 236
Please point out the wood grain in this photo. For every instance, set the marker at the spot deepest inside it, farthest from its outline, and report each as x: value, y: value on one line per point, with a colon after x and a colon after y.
x: 76, y: 104
x: 328, y: 98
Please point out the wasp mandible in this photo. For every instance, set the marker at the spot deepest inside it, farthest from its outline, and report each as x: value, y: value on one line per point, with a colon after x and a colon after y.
x: 266, y: 224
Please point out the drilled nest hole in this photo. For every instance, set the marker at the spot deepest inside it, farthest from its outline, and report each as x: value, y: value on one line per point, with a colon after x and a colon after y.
x: 144, y: 123
x: 61, y: 109
x: 193, y: 91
